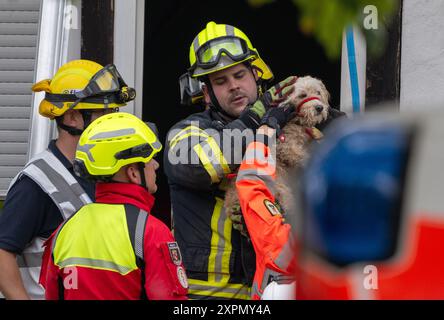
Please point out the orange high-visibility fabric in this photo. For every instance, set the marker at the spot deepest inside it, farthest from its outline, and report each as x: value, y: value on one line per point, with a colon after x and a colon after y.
x: 268, y: 232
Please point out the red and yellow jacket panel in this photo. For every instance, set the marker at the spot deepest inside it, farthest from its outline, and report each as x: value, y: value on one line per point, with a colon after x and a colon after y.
x: 94, y: 254
x: 270, y: 235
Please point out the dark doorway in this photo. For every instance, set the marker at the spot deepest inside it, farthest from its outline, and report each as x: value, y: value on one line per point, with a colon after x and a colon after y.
x: 170, y: 27
x: 98, y: 45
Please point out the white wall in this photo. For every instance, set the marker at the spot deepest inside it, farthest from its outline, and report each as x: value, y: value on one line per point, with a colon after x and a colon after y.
x: 58, y: 42
x: 129, y: 27
x: 422, y: 55
x: 75, y: 31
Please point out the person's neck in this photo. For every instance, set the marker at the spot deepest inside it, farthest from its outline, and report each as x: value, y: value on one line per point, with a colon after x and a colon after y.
x: 228, y: 117
x: 225, y: 118
x: 67, y: 145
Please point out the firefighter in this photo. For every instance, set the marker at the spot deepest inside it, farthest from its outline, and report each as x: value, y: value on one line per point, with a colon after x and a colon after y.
x: 46, y: 191
x: 271, y: 236
x: 219, y: 261
x: 114, y: 249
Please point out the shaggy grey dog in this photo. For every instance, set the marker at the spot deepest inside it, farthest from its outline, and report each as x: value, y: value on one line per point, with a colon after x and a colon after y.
x: 310, y: 99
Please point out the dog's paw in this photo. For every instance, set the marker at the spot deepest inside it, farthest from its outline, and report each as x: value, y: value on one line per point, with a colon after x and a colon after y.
x: 238, y: 221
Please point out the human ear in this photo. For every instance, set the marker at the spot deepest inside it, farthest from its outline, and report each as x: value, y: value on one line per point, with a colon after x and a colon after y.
x: 255, y: 74
x: 133, y: 174
x: 206, y: 94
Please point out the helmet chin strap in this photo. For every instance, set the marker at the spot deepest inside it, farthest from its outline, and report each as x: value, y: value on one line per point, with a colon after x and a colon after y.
x: 71, y: 130
x: 215, y: 104
x: 261, y: 84
x: 141, y: 166
x: 86, y: 115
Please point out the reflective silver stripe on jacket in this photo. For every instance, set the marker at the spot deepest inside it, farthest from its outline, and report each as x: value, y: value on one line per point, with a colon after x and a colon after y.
x: 255, y: 175
x: 283, y: 261
x: 284, y: 258
x: 29, y: 263
x: 140, y: 233
x: 64, y: 190
x: 268, y: 276
x: 52, y: 176
x: 94, y: 263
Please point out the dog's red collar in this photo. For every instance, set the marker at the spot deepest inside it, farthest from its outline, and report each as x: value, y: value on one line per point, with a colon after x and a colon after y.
x: 232, y: 176
x: 298, y: 108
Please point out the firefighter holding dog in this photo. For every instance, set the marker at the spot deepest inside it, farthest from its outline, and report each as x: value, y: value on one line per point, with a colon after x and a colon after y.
x: 219, y: 261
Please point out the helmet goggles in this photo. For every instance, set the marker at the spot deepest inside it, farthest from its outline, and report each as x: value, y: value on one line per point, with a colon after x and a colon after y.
x: 106, y: 86
x: 105, y: 80
x: 190, y: 89
x: 209, y: 54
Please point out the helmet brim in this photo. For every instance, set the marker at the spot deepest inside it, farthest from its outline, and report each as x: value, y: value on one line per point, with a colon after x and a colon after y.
x: 266, y: 71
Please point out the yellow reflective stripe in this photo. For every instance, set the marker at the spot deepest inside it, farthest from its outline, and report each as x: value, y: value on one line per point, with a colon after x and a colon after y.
x: 212, y: 158
x: 173, y: 144
x: 206, y: 163
x: 214, y: 163
x: 182, y: 131
x: 218, y: 289
x: 226, y: 253
x: 219, y: 258
x: 218, y: 154
x: 234, y: 286
x: 217, y: 157
x: 182, y: 134
x: 214, y: 240
x: 219, y: 294
x: 185, y: 130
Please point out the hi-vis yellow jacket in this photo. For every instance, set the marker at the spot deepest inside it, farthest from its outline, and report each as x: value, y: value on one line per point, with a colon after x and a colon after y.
x: 114, y: 249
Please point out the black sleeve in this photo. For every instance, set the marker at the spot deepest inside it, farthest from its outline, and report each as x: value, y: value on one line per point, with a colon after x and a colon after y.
x: 332, y: 115
x: 28, y: 212
x: 183, y: 164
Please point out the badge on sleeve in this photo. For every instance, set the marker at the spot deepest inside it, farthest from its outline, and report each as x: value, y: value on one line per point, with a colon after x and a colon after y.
x: 271, y: 207
x: 175, y: 255
x: 181, y: 275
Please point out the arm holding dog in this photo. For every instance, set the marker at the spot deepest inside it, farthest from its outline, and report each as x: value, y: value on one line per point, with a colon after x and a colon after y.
x: 270, y: 235
x: 193, y: 136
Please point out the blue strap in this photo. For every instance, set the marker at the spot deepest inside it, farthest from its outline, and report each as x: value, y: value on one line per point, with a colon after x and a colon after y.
x: 354, y: 85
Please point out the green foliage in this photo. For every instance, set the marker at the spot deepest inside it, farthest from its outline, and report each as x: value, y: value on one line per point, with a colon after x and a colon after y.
x: 326, y: 20
x: 258, y: 3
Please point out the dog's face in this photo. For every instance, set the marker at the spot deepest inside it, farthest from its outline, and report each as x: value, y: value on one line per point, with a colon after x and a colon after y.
x: 311, y: 100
